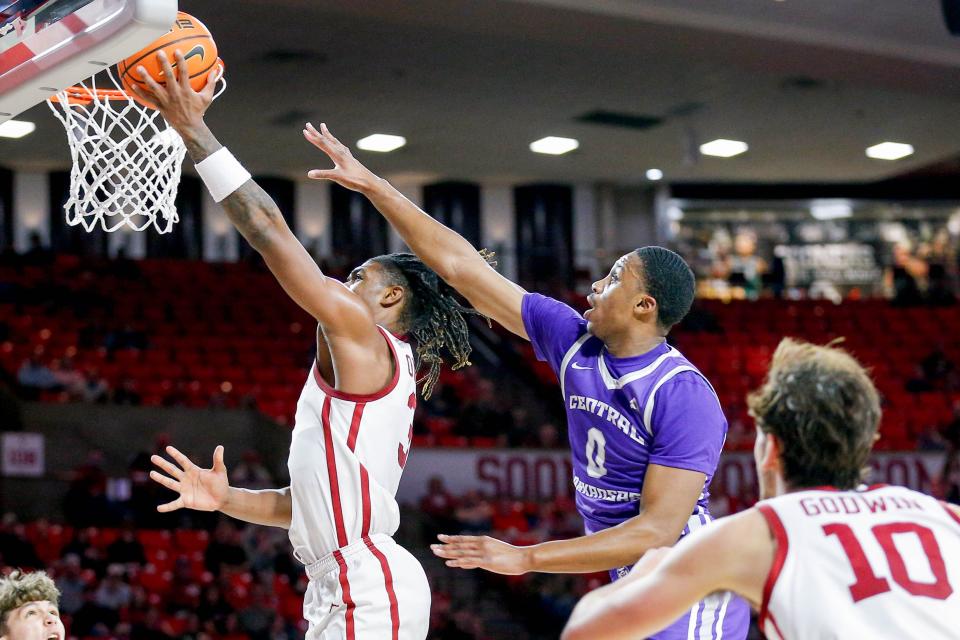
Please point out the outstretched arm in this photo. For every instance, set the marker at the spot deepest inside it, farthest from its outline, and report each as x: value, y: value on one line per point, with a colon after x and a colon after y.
x: 669, y: 496
x: 209, y: 490
x: 257, y: 216
x: 441, y: 248
x: 733, y: 554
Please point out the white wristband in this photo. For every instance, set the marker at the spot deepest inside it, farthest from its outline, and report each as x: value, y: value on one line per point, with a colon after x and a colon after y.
x: 222, y: 173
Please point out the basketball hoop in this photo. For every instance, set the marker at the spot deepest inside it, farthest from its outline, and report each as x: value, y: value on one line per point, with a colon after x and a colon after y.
x: 126, y: 159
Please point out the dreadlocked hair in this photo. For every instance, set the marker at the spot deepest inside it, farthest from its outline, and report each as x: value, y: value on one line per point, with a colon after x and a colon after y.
x: 432, y: 314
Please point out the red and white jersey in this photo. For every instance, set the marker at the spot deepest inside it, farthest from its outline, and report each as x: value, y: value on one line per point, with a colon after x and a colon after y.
x: 882, y: 562
x: 346, y: 458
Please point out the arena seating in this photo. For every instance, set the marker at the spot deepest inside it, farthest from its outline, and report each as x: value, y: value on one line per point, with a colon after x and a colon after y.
x: 735, y: 353
x: 228, y: 334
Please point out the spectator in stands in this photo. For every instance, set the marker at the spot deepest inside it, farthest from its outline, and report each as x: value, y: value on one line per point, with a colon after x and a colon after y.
x: 15, y: 549
x: 281, y: 630
x: 126, y: 549
x: 153, y: 627
x: 127, y: 394
x: 35, y: 377
x: 11, y: 416
x: 548, y: 437
x: 939, y: 371
x: 212, y: 605
x: 481, y: 416
x: 232, y: 629
x: 226, y: 548
x: 940, y: 289
x: 113, y: 593
x: 128, y: 337
x: 71, y: 584
x: 475, y: 513
x: 91, y: 557
x: 745, y: 268
x: 251, y: 472
x: 257, y: 618
x: 86, y: 501
x: 902, y: 274
x: 437, y: 506
x: 68, y: 378
x: 919, y: 383
x: 559, y: 520
x: 28, y: 607
x: 92, y: 619
x: 37, y: 254
x: 510, y: 519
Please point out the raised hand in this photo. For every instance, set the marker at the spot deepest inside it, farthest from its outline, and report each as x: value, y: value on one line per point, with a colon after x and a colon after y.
x: 176, y: 100
x: 347, y: 170
x: 199, y: 489
x: 481, y: 552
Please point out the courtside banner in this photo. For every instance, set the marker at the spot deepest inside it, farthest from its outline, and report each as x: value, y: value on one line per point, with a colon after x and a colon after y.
x: 544, y: 475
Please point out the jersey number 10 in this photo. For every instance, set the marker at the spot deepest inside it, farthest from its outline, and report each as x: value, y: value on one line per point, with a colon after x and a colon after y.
x: 869, y: 584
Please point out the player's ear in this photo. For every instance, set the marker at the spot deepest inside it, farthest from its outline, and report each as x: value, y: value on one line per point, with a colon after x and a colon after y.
x: 392, y: 295
x: 644, y: 305
x: 770, y: 453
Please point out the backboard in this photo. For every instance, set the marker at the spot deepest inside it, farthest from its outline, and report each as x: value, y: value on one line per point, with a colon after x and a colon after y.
x: 49, y: 45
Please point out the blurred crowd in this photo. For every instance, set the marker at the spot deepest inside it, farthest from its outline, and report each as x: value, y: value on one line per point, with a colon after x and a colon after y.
x: 744, y: 262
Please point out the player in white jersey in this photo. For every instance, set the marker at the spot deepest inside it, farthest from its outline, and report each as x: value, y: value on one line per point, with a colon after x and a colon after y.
x: 354, y: 420
x: 818, y: 557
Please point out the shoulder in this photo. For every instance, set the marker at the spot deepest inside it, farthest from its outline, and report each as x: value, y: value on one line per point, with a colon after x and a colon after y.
x: 952, y: 510
x: 681, y: 375
x: 682, y: 384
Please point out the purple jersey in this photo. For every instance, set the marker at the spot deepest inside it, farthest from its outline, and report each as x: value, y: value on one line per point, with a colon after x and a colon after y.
x: 624, y: 414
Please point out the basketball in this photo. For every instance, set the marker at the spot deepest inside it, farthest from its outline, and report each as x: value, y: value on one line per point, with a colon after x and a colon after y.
x: 191, y: 38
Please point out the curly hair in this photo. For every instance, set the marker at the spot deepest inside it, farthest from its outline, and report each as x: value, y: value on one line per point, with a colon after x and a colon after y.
x: 19, y: 588
x: 823, y: 407
x: 433, y: 315
x: 669, y: 279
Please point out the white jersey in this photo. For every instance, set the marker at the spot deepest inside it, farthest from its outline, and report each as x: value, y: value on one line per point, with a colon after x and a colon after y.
x: 882, y: 562
x: 346, y: 458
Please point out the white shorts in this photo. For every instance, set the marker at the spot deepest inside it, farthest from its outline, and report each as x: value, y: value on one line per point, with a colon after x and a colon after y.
x: 370, y: 589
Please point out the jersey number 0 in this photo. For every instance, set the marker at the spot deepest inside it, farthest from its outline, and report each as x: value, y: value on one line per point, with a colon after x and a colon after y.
x: 596, y: 453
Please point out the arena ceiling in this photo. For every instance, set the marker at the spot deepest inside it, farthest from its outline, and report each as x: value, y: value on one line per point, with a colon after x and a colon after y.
x: 809, y: 84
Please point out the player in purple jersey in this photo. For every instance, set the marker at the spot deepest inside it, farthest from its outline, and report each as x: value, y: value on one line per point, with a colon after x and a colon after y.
x: 646, y: 428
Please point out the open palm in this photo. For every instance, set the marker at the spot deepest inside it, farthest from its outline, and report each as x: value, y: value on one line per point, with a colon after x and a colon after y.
x: 199, y: 489
x: 347, y: 170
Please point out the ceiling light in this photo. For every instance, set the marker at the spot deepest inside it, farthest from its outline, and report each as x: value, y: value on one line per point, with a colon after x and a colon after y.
x: 16, y: 128
x: 830, y: 209
x: 381, y: 142
x: 654, y: 174
x: 722, y: 148
x: 554, y: 145
x: 889, y: 151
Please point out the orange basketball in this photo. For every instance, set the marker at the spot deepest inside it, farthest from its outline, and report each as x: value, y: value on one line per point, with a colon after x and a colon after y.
x: 191, y: 37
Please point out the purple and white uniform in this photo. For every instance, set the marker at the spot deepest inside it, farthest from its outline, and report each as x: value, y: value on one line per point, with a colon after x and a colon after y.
x: 624, y: 414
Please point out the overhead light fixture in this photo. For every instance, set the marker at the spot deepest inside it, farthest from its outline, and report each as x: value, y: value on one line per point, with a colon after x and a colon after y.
x: 381, y: 143
x: 654, y: 174
x: 889, y: 151
x: 16, y: 128
x: 722, y: 148
x: 554, y: 146
x: 830, y: 209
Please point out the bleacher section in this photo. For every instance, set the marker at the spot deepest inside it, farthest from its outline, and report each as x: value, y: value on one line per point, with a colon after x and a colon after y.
x: 227, y: 334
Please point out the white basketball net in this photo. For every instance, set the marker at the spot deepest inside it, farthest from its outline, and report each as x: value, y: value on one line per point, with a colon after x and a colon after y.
x: 126, y: 161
